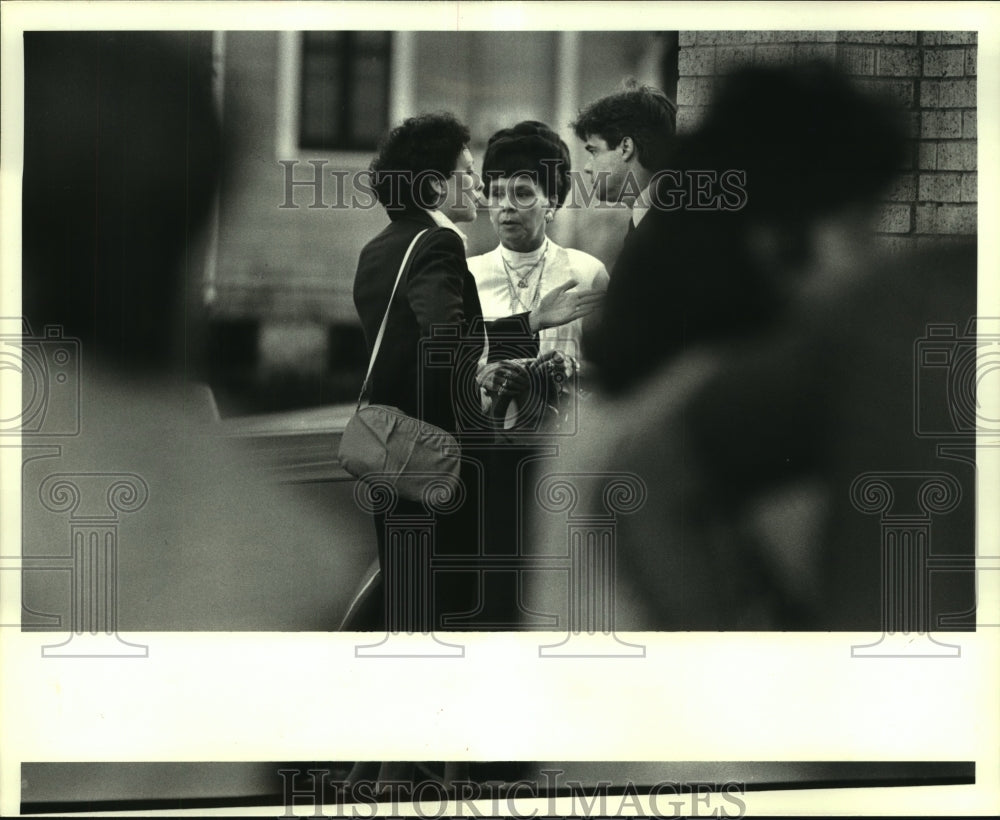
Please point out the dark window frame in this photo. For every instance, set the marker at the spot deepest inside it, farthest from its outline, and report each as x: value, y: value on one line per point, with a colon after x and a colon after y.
x: 350, y: 57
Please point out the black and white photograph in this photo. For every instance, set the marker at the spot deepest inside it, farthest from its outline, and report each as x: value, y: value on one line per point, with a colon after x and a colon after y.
x: 506, y: 409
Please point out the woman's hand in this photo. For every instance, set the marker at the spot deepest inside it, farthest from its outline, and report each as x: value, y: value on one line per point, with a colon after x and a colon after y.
x: 562, y: 305
x: 505, y: 380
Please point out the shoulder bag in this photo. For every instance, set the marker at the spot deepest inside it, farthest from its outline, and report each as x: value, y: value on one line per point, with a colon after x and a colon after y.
x: 383, y: 441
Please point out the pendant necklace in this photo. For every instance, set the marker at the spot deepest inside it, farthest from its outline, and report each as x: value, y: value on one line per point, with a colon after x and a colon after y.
x: 522, y: 281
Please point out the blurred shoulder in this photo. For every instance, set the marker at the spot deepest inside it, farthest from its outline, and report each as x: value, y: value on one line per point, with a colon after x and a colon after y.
x: 649, y: 422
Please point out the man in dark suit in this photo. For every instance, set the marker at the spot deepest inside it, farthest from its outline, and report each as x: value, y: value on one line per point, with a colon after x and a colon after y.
x: 427, y: 361
x: 627, y: 136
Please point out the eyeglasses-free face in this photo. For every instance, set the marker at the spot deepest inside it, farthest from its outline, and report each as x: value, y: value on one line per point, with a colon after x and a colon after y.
x: 519, y: 212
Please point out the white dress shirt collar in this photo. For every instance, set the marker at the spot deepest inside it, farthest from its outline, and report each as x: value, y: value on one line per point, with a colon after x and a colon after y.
x: 640, y: 206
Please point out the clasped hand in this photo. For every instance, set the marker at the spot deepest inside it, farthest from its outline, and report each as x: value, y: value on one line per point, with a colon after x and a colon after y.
x: 514, y: 377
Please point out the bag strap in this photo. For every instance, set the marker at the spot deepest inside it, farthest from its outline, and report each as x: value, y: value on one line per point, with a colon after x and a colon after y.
x: 385, y: 319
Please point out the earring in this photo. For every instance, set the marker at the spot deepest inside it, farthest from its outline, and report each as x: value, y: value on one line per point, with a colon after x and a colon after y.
x: 549, y: 216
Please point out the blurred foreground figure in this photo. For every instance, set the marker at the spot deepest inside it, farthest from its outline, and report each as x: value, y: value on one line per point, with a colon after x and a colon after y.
x: 751, y: 381
x: 122, y: 157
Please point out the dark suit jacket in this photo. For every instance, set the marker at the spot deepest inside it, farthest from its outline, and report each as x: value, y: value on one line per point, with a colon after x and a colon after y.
x: 675, y: 284
x: 438, y: 290
x: 426, y: 366
x: 426, y: 373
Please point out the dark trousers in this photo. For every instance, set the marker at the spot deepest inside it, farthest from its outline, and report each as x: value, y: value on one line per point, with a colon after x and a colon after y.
x: 433, y: 572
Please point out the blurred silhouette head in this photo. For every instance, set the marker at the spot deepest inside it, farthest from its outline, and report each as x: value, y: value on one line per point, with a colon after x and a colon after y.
x: 627, y: 136
x: 424, y: 163
x: 812, y: 145
x: 122, y: 154
x: 526, y: 173
x: 815, y: 152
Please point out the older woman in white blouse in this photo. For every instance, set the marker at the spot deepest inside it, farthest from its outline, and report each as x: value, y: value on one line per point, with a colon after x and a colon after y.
x: 526, y: 376
x: 526, y: 174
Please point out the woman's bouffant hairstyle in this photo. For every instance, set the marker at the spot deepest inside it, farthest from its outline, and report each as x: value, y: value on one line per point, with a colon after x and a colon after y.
x: 529, y: 148
x: 641, y: 112
x: 422, y: 148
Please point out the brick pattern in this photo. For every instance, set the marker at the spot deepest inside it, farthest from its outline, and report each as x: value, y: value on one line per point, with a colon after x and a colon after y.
x: 932, y: 75
x: 946, y: 183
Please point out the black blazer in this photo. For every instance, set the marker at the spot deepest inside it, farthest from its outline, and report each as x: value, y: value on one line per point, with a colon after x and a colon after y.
x: 427, y: 373
x: 682, y: 278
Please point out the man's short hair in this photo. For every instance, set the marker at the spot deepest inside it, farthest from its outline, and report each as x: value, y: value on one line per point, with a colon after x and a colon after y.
x: 641, y: 112
x: 530, y: 148
x: 421, y: 148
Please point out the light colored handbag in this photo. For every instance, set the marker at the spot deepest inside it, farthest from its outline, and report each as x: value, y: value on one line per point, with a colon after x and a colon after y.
x: 383, y: 441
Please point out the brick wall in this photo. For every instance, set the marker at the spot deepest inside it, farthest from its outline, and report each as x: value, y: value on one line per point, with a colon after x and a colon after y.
x: 932, y: 75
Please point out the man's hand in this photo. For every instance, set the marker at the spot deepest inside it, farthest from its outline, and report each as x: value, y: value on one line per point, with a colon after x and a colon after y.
x: 562, y: 305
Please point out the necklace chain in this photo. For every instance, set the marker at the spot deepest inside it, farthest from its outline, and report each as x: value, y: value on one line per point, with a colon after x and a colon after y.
x: 522, y: 283
x: 522, y: 278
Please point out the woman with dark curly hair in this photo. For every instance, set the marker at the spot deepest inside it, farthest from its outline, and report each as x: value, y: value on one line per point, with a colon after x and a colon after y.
x: 424, y: 177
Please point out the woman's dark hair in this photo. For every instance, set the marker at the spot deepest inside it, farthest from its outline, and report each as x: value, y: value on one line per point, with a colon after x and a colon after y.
x: 530, y: 148
x: 422, y: 148
x: 641, y: 112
